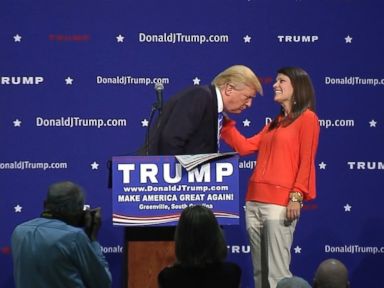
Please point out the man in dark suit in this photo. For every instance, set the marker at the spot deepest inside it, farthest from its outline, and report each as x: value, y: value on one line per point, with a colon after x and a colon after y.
x: 189, y: 125
x: 189, y: 120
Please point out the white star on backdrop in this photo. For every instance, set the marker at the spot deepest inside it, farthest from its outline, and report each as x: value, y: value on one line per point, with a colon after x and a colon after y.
x: 120, y: 38
x: 17, y: 38
x: 68, y: 81
x: 18, y: 208
x: 348, y: 39
x: 297, y: 249
x: 247, y: 39
x: 347, y: 208
x: 246, y: 122
x: 17, y: 123
x: 196, y: 81
x: 144, y: 123
x: 372, y: 123
x: 94, y: 165
x: 322, y: 165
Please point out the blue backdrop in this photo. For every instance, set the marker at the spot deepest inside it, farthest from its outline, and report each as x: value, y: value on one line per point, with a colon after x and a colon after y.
x: 77, y: 84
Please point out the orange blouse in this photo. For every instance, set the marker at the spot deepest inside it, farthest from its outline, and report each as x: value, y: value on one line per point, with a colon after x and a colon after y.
x: 286, y: 158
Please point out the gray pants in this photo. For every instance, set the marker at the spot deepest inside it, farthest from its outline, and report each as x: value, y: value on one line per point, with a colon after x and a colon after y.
x: 270, y: 236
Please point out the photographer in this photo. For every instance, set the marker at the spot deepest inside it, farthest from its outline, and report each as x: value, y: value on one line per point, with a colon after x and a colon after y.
x: 60, y: 248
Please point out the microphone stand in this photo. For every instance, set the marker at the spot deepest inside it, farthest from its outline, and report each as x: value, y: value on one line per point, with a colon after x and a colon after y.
x: 155, y: 107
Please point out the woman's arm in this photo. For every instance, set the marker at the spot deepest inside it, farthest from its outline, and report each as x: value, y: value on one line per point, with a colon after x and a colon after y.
x: 308, y: 142
x: 305, y: 186
x: 242, y: 145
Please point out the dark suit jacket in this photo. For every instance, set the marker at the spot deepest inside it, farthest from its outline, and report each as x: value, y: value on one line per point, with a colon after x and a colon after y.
x: 188, y: 124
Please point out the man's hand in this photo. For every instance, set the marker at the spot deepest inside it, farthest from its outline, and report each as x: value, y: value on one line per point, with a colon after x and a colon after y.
x: 92, y: 221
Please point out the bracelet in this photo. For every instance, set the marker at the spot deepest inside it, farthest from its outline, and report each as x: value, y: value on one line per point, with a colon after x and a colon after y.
x: 296, y: 197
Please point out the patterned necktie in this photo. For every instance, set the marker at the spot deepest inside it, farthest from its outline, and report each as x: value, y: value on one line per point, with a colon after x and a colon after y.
x: 220, y: 118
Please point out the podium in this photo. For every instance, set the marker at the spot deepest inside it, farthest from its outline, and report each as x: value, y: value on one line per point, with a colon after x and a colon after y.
x: 148, y: 196
x: 147, y: 251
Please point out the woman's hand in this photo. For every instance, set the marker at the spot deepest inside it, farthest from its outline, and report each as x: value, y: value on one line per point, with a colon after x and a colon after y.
x: 293, y: 210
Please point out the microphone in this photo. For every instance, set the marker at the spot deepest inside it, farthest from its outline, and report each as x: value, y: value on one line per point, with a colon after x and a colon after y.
x: 159, y: 87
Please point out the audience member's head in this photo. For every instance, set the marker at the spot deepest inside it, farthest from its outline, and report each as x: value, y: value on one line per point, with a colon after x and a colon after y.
x: 293, y: 282
x: 65, y: 201
x: 331, y: 273
x: 198, y: 238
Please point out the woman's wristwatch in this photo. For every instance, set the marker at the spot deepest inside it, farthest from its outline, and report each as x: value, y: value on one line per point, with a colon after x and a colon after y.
x: 296, y: 197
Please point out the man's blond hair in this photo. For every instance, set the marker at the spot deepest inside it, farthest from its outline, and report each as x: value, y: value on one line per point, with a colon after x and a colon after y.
x: 238, y: 75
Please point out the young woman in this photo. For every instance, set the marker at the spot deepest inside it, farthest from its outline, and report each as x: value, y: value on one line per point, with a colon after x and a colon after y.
x: 284, y: 175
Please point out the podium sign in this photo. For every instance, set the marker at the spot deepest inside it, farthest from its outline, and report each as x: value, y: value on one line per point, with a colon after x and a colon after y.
x: 153, y: 190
